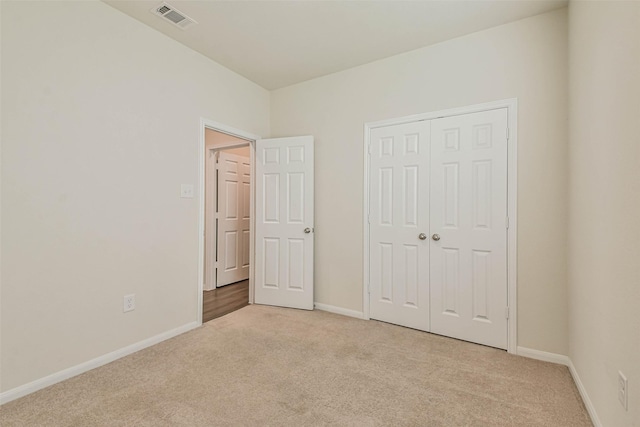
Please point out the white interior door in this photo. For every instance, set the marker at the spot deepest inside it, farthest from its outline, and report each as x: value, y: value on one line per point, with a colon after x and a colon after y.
x: 468, y: 256
x: 284, y: 222
x: 399, y: 224
x: 234, y: 183
x: 210, y: 220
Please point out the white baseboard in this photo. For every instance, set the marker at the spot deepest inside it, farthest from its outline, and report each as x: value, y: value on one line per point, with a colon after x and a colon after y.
x: 564, y: 360
x: 57, y: 377
x: 585, y: 397
x: 338, y: 310
x: 545, y: 356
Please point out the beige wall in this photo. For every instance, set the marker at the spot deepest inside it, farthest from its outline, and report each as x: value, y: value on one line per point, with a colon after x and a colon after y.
x: 100, y: 120
x: 604, y: 206
x: 525, y: 60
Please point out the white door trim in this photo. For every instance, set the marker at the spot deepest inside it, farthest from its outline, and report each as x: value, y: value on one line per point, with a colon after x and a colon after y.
x: 512, y: 192
x: 251, y: 139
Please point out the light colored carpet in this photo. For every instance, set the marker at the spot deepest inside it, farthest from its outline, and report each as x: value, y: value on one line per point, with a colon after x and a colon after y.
x: 271, y: 366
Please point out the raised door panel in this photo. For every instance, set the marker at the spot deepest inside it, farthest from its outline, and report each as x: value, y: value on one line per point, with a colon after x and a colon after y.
x: 411, y: 275
x: 231, y: 199
x: 231, y: 250
x: 295, y: 267
x: 295, y: 198
x: 246, y: 244
x: 271, y: 262
x: 449, y: 282
x: 271, y: 200
x: 385, y: 256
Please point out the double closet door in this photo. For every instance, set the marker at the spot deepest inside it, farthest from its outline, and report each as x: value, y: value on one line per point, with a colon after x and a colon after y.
x: 438, y: 226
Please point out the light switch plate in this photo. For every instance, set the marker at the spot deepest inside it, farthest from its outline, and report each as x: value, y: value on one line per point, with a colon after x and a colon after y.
x: 129, y: 303
x: 186, y: 191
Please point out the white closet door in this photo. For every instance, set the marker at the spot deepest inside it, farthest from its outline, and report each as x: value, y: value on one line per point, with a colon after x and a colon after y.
x: 284, y: 222
x: 399, y: 225
x: 468, y: 256
x: 234, y: 180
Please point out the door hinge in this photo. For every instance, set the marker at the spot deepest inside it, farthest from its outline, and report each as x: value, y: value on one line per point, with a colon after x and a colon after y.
x: 507, y: 222
x: 507, y: 134
x: 369, y: 149
x: 506, y: 312
x: 369, y: 218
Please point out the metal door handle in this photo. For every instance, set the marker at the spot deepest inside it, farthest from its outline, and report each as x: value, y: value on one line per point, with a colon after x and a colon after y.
x: 422, y: 236
x: 307, y: 230
x: 436, y: 237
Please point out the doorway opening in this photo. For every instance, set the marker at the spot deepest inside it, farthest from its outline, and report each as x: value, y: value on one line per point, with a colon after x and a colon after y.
x: 227, y: 224
x: 280, y: 217
x: 226, y: 220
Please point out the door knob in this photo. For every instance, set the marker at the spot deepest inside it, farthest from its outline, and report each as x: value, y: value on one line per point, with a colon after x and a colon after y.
x: 307, y: 230
x: 436, y: 237
x: 422, y: 236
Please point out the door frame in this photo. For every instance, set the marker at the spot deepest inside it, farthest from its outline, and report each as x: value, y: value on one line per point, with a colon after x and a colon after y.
x: 251, y: 139
x: 512, y: 201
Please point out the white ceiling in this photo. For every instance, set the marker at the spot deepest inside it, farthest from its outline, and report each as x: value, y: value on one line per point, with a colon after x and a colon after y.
x: 280, y: 43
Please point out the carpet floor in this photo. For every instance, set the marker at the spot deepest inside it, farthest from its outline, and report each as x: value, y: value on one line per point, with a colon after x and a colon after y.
x: 269, y: 366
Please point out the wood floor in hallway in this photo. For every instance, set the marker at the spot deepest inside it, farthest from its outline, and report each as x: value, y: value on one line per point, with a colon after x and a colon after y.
x: 224, y: 300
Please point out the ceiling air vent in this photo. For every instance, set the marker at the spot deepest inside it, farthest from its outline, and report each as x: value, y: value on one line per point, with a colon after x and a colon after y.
x: 173, y: 15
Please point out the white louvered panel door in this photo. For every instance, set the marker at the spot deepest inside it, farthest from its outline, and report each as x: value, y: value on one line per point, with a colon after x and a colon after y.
x: 398, y: 213
x: 234, y: 181
x: 468, y: 213
x: 284, y: 222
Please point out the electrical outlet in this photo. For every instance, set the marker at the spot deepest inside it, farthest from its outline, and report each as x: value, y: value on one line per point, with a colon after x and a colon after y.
x: 186, y: 191
x: 623, y: 389
x: 129, y: 303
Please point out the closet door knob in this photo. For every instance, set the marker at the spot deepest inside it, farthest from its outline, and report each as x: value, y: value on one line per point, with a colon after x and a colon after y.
x: 436, y: 237
x: 422, y: 236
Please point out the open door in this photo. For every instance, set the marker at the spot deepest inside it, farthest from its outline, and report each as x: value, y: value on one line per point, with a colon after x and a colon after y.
x: 284, y: 222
